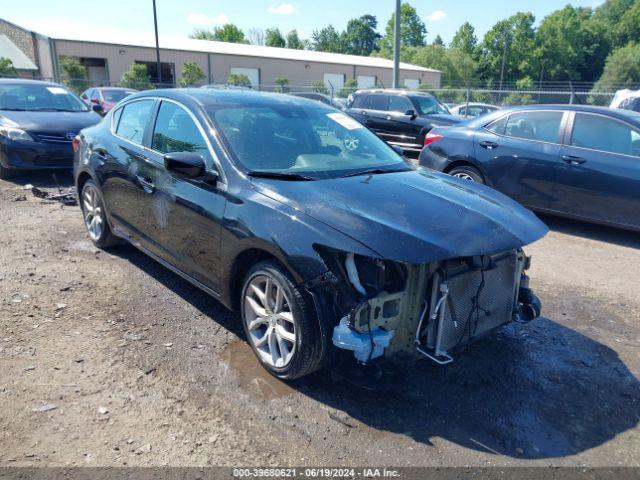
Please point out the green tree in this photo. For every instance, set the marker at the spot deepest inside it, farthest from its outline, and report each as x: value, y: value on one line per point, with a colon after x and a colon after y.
x: 282, y: 83
x: 361, y: 37
x: 273, y: 38
x: 520, y: 98
x: 226, y: 33
x: 239, y: 79
x: 327, y: 40
x: 622, y: 69
x: 611, y: 15
x: 628, y: 29
x: 572, y: 45
x: 517, y: 35
x: 438, y: 41
x: 319, y: 87
x: 191, y: 74
x: 6, y: 68
x: 412, y: 30
x: 349, y: 87
x: 293, y: 40
x: 458, y: 68
x: 136, y: 77
x: 465, y: 39
x: 74, y: 74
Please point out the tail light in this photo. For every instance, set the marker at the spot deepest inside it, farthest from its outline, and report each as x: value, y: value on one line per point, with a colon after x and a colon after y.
x: 76, y: 143
x: 430, y: 138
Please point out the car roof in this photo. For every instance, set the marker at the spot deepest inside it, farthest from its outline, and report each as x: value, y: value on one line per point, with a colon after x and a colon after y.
x: 393, y: 91
x: 115, y: 88
x: 219, y: 98
x: 25, y: 81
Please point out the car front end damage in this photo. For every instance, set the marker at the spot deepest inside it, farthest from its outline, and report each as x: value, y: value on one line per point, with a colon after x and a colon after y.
x: 375, y: 310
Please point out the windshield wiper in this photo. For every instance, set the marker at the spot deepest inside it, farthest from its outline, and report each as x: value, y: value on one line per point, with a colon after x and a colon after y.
x: 279, y: 175
x: 56, y: 110
x: 13, y: 109
x: 375, y: 171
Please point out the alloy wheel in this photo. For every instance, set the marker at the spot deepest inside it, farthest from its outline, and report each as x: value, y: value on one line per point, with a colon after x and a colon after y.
x: 464, y: 176
x: 270, y: 322
x: 93, y: 216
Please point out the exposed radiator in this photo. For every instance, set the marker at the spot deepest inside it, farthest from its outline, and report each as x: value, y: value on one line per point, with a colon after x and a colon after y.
x: 469, y: 298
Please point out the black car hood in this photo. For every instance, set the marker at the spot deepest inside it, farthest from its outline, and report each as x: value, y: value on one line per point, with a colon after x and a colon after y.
x: 414, y: 216
x: 52, y: 122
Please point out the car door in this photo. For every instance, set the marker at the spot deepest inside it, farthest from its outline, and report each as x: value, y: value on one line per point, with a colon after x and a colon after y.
x: 125, y: 171
x: 600, y: 176
x: 186, y: 213
x: 403, y: 130
x: 357, y: 108
x: 520, y: 154
x: 376, y: 106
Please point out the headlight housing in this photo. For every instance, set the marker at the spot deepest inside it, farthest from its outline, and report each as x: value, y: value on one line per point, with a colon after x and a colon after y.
x: 15, y: 134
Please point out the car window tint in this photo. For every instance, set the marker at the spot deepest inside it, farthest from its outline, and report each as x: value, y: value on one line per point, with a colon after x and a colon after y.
x: 133, y: 120
x: 608, y: 135
x: 541, y: 126
x: 498, y: 125
x: 175, y: 131
x: 358, y: 101
x: 377, y: 102
x: 399, y: 104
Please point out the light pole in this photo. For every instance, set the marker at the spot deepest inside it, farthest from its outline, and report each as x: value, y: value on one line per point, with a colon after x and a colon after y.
x: 504, y: 58
x: 396, y: 47
x: 155, y: 26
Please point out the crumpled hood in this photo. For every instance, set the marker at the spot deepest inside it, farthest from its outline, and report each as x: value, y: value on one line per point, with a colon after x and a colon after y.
x: 52, y: 122
x: 414, y: 216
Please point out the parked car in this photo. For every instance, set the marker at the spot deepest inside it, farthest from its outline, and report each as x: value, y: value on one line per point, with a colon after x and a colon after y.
x: 105, y: 97
x: 401, y: 118
x: 473, y: 109
x: 577, y: 161
x: 315, y: 230
x: 335, y: 102
x: 626, y: 100
x: 38, y: 121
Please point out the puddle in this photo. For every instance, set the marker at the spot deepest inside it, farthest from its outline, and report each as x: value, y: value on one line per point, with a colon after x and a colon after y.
x: 240, y: 357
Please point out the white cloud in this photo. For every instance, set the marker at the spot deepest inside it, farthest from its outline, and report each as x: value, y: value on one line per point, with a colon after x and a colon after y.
x: 282, y: 9
x: 436, y: 16
x: 204, y: 19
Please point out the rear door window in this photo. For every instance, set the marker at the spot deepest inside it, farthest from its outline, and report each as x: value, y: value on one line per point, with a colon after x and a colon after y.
x: 133, y: 120
x: 539, y: 126
x: 597, y: 132
x: 377, y: 102
x: 400, y: 104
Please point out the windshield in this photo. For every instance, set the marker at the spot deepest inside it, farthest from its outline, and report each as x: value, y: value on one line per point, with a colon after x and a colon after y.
x: 314, y: 141
x: 114, y: 96
x: 36, y: 97
x: 429, y: 105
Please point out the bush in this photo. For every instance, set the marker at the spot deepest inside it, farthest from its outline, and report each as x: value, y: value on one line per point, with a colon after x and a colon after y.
x: 137, y: 78
x: 517, y: 98
x: 6, y: 68
x: 350, y: 86
x: 191, y: 74
x: 73, y: 74
x: 239, y: 79
x: 282, y: 83
x: 319, y: 87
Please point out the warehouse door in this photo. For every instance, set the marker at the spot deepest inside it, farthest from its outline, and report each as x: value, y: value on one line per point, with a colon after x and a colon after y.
x: 335, y: 80
x: 366, y: 81
x: 252, y: 73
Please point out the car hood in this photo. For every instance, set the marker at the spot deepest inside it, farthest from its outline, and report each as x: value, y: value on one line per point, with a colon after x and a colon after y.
x: 414, y: 216
x: 52, y: 122
x: 443, y: 119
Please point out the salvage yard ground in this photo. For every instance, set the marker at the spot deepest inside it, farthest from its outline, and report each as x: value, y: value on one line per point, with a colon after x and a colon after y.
x: 107, y: 358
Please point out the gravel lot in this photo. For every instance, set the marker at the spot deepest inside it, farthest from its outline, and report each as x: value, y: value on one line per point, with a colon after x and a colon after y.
x: 108, y: 358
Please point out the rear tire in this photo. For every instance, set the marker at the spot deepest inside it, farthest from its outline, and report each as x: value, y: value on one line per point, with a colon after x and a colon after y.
x: 95, y: 218
x: 280, y: 322
x: 467, y: 172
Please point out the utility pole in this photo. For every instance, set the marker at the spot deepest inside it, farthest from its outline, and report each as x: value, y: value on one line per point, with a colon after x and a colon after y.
x: 155, y: 26
x: 541, y: 77
x: 396, y: 47
x: 504, y: 58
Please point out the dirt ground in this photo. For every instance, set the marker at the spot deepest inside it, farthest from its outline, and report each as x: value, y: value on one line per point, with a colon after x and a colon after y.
x: 109, y: 359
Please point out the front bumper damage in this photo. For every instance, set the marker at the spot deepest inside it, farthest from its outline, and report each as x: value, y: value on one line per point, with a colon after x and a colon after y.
x: 376, y: 310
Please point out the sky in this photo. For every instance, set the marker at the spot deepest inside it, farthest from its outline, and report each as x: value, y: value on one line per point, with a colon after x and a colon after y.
x: 178, y: 18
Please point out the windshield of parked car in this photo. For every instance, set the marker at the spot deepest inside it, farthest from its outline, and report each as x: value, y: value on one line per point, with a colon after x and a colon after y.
x: 429, y: 105
x: 114, y: 96
x: 39, y: 98
x: 314, y: 141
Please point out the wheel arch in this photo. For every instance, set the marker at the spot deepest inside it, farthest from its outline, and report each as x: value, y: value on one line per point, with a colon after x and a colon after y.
x: 467, y: 163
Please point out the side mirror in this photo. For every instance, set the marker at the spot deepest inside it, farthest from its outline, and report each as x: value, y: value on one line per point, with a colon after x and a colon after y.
x: 410, y: 113
x: 398, y: 150
x: 96, y: 108
x: 188, y: 165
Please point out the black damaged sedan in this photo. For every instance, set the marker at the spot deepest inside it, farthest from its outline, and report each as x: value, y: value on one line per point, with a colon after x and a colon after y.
x: 331, y: 248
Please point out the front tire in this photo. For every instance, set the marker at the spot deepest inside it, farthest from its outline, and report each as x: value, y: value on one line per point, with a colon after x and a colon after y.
x: 95, y: 219
x: 467, y: 172
x: 280, y: 322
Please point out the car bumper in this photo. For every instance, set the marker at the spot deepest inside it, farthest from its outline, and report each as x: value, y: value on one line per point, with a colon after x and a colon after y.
x: 35, y: 156
x: 433, y: 161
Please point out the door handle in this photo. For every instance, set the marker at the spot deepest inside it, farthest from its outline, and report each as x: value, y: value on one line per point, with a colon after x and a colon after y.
x: 572, y: 160
x: 489, y: 145
x: 363, y: 112
x: 146, y: 184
